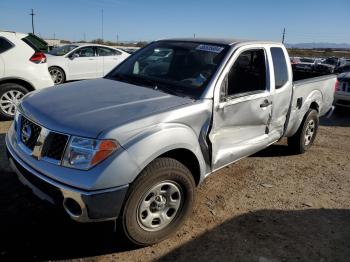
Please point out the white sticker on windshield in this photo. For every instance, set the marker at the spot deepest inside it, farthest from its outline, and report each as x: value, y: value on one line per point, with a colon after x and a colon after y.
x: 210, y: 48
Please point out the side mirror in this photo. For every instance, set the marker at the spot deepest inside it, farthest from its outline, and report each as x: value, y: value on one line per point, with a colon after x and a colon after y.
x: 73, y: 56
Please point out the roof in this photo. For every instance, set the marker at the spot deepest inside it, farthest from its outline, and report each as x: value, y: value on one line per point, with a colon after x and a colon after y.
x: 220, y: 41
x: 18, y: 34
x: 88, y: 44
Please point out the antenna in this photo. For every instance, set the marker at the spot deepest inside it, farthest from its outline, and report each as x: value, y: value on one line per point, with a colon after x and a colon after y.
x: 283, y: 35
x: 32, y: 14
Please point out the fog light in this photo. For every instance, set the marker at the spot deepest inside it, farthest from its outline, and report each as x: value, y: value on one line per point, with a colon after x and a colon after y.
x: 72, y: 207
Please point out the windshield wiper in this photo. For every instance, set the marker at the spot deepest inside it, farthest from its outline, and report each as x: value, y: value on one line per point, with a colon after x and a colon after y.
x: 147, y: 82
x: 168, y: 90
x: 135, y: 80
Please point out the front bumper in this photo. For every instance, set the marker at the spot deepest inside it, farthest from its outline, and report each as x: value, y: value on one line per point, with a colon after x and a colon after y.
x: 80, y: 205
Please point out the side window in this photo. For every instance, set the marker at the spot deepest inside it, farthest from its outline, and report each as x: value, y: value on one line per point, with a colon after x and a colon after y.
x: 248, y: 73
x: 104, y: 51
x: 87, y: 51
x: 5, y: 45
x: 279, y: 66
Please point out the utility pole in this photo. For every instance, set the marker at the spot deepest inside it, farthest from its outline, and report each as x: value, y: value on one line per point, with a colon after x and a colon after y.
x: 102, y: 22
x: 32, y: 14
x: 194, y: 35
x: 283, y: 35
x: 84, y: 37
x: 117, y: 38
x: 54, y: 36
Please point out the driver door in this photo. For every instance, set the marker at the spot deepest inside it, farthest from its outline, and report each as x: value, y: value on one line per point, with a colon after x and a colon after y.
x: 82, y: 63
x: 242, y: 108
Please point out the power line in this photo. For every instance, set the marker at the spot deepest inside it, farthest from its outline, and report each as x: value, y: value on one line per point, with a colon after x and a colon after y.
x: 32, y: 14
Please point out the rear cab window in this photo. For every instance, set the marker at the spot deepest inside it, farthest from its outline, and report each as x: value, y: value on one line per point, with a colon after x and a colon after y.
x: 279, y: 67
x: 5, y: 45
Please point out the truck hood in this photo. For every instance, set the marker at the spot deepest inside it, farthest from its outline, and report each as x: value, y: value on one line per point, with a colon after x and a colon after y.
x: 87, y: 108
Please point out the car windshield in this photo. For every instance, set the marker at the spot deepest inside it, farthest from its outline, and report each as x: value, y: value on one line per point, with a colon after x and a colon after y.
x: 62, y: 50
x: 175, y: 67
x: 330, y: 61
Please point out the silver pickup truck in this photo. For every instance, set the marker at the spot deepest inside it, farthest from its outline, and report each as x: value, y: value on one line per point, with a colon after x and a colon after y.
x: 132, y: 146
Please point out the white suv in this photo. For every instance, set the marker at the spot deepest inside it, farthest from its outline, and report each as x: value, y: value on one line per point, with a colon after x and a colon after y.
x: 22, y: 69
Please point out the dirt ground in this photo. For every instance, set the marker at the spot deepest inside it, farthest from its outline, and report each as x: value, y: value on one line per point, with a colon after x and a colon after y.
x: 272, y: 206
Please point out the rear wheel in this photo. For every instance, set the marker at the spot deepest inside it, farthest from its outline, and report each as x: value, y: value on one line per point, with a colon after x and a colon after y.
x: 158, y: 202
x: 10, y: 96
x: 306, y: 134
x: 57, y: 75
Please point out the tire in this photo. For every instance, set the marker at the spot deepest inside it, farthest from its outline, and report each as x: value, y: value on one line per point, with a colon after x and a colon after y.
x: 10, y: 95
x: 306, y: 134
x: 163, y: 182
x: 57, y: 74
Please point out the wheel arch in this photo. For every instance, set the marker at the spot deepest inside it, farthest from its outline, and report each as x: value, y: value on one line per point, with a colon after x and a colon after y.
x: 188, y: 159
x: 314, y: 105
x: 312, y: 101
x: 176, y: 141
x: 26, y: 84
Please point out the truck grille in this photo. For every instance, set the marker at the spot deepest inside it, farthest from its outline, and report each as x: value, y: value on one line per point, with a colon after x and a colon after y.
x: 53, y: 145
x: 29, y: 133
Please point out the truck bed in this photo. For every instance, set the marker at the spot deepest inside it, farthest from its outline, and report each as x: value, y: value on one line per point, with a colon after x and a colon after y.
x: 319, y: 89
x: 301, y: 75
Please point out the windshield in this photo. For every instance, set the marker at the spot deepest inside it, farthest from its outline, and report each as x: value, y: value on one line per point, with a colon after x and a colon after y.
x: 180, y: 68
x: 330, y: 61
x: 62, y: 50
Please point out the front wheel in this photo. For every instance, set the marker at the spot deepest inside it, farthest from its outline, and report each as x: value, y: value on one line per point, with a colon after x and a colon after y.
x: 158, y: 202
x: 306, y: 134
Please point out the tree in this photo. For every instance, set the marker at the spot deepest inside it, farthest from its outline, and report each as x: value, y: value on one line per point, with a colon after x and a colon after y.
x: 98, y: 41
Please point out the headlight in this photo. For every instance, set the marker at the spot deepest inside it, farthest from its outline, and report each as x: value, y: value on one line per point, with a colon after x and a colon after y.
x: 84, y: 153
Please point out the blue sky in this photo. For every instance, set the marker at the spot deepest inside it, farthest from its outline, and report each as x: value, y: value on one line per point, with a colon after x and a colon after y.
x: 305, y: 21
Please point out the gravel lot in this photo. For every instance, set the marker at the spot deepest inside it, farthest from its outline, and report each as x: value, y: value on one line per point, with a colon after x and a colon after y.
x: 272, y: 206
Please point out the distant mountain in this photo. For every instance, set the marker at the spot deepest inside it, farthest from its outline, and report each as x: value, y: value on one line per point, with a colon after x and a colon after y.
x: 318, y: 45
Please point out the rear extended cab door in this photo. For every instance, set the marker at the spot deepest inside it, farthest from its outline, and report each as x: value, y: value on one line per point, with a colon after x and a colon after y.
x: 241, y: 122
x: 282, y: 89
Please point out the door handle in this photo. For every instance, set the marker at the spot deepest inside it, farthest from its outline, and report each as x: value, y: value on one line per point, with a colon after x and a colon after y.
x: 266, y: 103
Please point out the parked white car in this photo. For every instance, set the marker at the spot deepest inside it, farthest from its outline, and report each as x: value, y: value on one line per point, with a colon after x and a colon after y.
x: 22, y: 69
x: 82, y: 61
